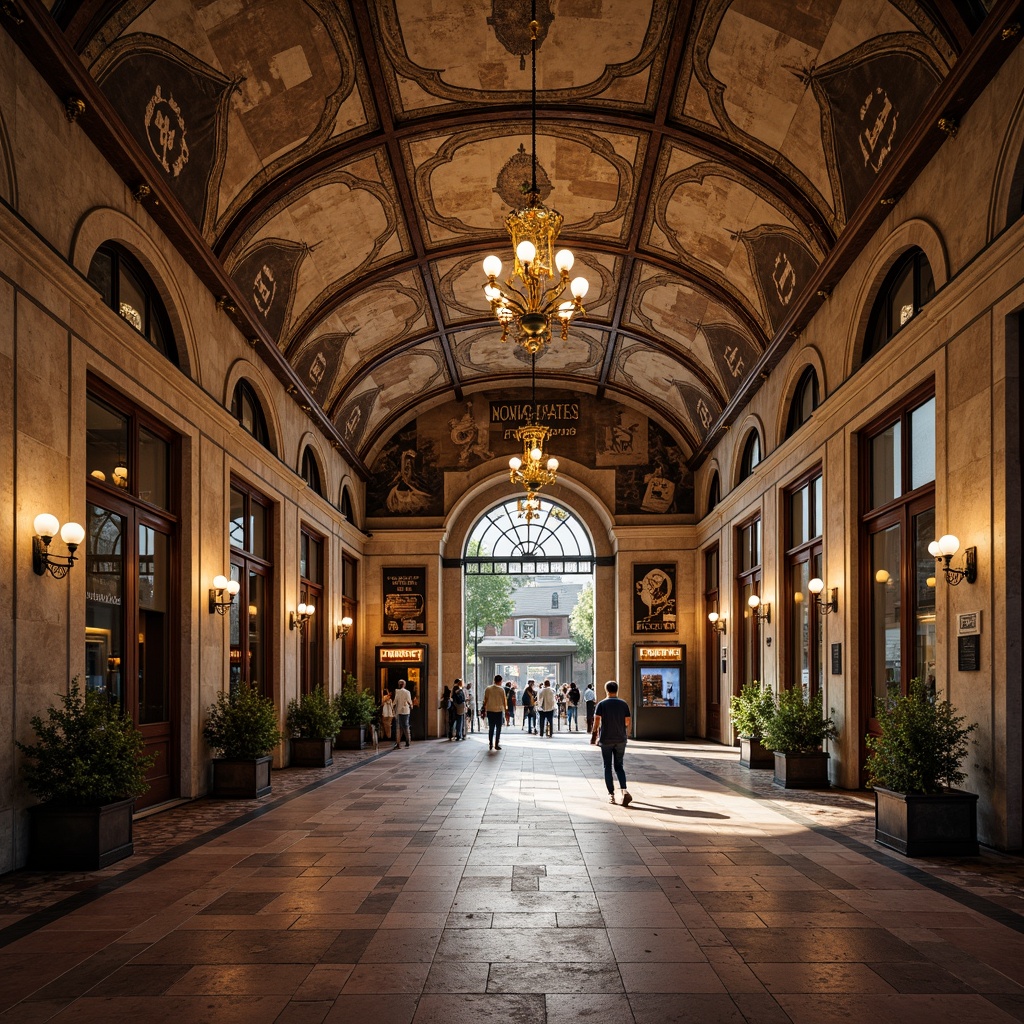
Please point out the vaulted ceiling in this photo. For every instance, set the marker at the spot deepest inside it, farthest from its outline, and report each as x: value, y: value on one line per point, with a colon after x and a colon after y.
x: 350, y: 164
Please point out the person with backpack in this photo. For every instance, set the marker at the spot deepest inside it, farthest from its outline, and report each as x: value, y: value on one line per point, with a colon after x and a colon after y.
x: 529, y: 703
x: 572, y: 707
x: 458, y: 711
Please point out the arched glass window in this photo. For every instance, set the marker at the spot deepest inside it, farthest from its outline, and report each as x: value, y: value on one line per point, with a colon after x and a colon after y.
x: 554, y: 599
x: 805, y: 401
x: 246, y: 408
x: 751, y: 455
x: 346, y: 504
x: 311, y: 471
x: 127, y: 289
x: 714, y: 491
x: 907, y: 288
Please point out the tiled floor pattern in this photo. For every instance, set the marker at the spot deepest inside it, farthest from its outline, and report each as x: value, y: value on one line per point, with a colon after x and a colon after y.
x: 444, y: 883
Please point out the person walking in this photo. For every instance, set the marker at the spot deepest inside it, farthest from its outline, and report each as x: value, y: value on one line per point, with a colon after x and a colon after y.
x: 458, y: 711
x: 572, y: 707
x: 510, y: 702
x: 560, y: 700
x: 403, y: 710
x: 547, y: 704
x: 494, y: 704
x: 387, y: 715
x: 529, y: 703
x: 590, y: 699
x: 611, y: 730
x: 445, y: 705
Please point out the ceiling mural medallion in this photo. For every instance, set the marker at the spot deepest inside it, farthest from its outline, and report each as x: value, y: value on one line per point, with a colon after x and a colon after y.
x: 732, y: 353
x: 781, y: 265
x: 165, y: 128
x: 266, y: 276
x: 319, y: 362
x: 510, y: 20
x: 701, y: 409
x: 514, y: 179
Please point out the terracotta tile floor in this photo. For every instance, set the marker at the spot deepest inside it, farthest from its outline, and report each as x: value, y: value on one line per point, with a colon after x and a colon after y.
x: 447, y: 883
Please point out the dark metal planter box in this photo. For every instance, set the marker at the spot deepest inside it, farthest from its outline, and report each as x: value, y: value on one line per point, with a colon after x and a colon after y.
x: 927, y: 824
x: 241, y: 780
x: 754, y: 755
x: 312, y: 753
x: 80, y: 838
x: 351, y: 737
x: 801, y: 771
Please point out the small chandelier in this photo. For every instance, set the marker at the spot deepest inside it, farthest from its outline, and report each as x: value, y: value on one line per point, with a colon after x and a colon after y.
x: 533, y: 296
x: 533, y: 471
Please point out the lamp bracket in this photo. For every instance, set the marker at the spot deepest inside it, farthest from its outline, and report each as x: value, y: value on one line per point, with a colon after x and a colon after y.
x: 831, y: 605
x: 968, y: 572
x: 58, y: 566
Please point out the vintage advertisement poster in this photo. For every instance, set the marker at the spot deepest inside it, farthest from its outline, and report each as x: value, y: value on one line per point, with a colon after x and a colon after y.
x: 654, y: 597
x: 405, y: 600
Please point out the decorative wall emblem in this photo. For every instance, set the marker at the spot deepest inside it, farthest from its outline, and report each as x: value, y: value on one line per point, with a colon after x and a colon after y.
x: 654, y: 602
x: 264, y: 288
x: 267, y: 274
x: 781, y: 264
x: 316, y: 369
x: 879, y: 117
x: 165, y: 129
x: 784, y: 277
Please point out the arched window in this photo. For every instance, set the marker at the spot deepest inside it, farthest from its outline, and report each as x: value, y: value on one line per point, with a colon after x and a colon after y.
x: 346, y: 504
x: 246, y: 408
x: 751, y: 455
x: 906, y: 289
x: 127, y: 289
x: 714, y: 492
x: 805, y: 401
x: 311, y: 471
x: 554, y: 599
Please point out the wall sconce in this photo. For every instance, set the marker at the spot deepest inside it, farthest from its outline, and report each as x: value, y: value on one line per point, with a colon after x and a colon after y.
x: 816, y: 586
x: 221, y: 586
x: 762, y: 612
x: 342, y: 630
x: 45, y: 527
x: 298, y: 619
x: 943, y: 550
x: 717, y: 622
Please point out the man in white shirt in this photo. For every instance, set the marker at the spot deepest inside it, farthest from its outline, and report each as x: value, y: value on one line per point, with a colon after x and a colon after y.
x: 547, y: 703
x: 590, y: 699
x: 402, y: 701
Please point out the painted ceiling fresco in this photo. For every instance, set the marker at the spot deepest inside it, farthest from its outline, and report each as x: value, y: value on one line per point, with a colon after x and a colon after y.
x: 350, y: 163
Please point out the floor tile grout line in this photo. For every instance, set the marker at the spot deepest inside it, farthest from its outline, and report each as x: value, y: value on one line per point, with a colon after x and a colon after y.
x: 993, y: 911
x: 40, y: 918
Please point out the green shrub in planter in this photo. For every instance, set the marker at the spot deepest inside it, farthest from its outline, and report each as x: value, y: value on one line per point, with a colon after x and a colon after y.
x: 354, y: 706
x: 751, y: 708
x: 242, y: 724
x: 88, y: 751
x: 797, y: 726
x: 313, y: 716
x: 922, y: 744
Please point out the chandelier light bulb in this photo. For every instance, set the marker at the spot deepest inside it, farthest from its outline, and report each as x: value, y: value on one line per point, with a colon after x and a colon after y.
x: 504, y: 314
x: 492, y: 266
x: 565, y: 311
x: 515, y: 463
x: 492, y: 292
x: 536, y: 454
x: 949, y: 545
x: 564, y: 260
x: 46, y: 525
x: 526, y: 251
x: 552, y: 464
x: 579, y: 287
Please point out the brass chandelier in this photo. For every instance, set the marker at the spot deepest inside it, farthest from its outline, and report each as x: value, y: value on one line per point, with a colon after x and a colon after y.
x: 534, y: 295
x: 532, y: 471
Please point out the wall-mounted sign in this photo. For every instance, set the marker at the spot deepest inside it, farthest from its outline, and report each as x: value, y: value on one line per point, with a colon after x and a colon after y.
x: 405, y: 600
x: 402, y: 655
x: 968, y: 653
x: 654, y: 597
x: 837, y: 659
x: 968, y: 624
x: 659, y: 653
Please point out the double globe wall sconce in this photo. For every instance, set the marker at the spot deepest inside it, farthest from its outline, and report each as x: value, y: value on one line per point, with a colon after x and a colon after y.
x: 46, y: 527
x: 298, y: 619
x: 943, y: 550
x: 342, y: 629
x: 222, y: 594
x: 717, y: 622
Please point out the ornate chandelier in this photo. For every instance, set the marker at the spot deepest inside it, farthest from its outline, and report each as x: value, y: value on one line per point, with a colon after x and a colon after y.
x: 534, y: 295
x: 532, y: 471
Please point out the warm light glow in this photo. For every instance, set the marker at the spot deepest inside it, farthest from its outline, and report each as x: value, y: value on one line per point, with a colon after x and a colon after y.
x: 930, y: 582
x: 46, y: 525
x: 526, y: 251
x: 72, y: 534
x: 933, y: 549
x: 347, y: 621
x: 798, y: 597
x: 579, y: 287
x: 564, y: 260
x: 753, y: 601
x: 552, y: 465
x: 98, y: 474
x: 220, y: 583
x: 515, y: 462
x: 233, y: 587
x: 536, y: 454
x: 949, y: 545
x: 816, y: 586
x: 492, y: 292
x: 882, y: 576
x: 492, y: 266
x: 712, y: 617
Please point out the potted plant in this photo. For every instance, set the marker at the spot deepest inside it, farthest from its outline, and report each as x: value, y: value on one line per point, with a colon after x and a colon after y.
x: 313, y: 722
x: 795, y: 732
x: 87, y: 766
x: 242, y: 725
x: 749, y: 710
x: 356, y: 709
x: 913, y: 767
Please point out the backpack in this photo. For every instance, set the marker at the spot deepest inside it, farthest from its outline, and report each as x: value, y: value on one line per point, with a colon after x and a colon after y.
x: 459, y: 700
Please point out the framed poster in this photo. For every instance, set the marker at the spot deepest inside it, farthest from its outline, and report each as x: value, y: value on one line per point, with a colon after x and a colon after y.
x: 405, y: 600
x: 654, y: 597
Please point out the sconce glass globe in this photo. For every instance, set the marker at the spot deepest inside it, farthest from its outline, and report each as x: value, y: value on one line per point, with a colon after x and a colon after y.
x: 46, y: 525
x: 72, y: 534
x: 220, y: 583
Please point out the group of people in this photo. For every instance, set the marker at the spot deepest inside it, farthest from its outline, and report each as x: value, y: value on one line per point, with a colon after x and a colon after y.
x: 608, y: 722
